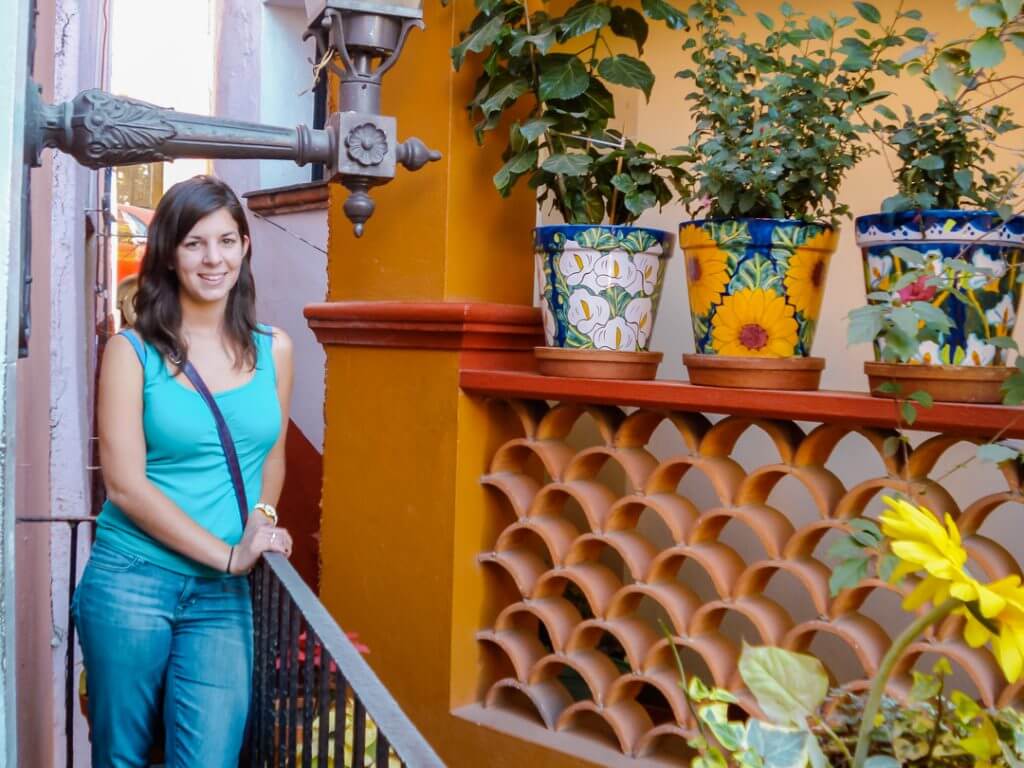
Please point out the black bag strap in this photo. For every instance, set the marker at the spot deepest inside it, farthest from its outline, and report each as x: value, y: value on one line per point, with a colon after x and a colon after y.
x: 225, y: 440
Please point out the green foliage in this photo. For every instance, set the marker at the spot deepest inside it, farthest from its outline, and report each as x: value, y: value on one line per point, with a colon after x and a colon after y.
x: 777, y: 126
x: 946, y: 156
x: 549, y: 75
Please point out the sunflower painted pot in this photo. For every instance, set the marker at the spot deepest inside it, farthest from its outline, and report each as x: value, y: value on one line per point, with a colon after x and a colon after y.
x: 755, y: 285
x: 599, y: 285
x: 939, y: 236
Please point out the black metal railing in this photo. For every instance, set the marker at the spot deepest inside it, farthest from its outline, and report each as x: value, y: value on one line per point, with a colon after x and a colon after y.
x: 70, y: 696
x: 316, y: 702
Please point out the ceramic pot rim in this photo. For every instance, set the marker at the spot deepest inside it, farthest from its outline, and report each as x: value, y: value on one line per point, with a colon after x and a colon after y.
x: 975, y: 224
x: 613, y: 227
x: 784, y: 222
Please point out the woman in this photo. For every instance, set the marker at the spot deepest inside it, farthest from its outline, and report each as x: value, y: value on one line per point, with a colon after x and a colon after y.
x: 163, y: 608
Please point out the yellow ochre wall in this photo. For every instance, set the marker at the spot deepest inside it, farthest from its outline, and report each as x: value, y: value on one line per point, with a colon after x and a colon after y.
x: 403, y: 512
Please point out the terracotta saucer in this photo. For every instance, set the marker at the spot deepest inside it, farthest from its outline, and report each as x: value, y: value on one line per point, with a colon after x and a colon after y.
x: 946, y: 383
x: 597, y: 363
x: 754, y: 372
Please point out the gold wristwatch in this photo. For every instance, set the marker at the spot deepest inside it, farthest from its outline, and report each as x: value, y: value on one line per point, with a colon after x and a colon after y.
x: 268, y: 511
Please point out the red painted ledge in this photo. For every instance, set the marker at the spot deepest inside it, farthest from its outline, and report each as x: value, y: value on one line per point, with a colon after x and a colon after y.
x: 275, y: 201
x: 497, y: 336
x: 823, y: 406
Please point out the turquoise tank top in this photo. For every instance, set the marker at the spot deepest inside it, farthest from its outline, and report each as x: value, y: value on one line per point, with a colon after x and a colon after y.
x: 184, y: 457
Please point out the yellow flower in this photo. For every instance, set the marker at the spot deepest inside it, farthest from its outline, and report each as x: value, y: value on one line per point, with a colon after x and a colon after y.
x: 1001, y: 622
x: 706, y: 268
x: 754, y: 323
x: 805, y: 278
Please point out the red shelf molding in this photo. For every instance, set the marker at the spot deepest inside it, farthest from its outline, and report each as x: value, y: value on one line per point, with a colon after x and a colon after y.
x: 825, y: 406
x: 294, y: 199
x: 493, y: 336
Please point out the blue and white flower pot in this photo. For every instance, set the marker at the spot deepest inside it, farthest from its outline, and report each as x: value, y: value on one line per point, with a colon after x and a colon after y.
x: 978, y: 237
x: 599, y: 285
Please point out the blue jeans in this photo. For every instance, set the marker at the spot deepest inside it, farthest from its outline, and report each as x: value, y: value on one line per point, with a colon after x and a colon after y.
x: 153, y: 639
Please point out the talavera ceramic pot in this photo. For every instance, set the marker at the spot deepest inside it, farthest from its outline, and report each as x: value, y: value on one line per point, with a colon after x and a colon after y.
x: 938, y: 236
x: 755, y: 288
x: 599, y: 288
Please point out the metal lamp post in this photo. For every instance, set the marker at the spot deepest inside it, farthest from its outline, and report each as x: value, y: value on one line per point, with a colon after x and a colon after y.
x: 358, y: 146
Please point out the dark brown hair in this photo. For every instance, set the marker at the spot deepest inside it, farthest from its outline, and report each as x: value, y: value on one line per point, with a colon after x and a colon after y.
x: 157, y: 303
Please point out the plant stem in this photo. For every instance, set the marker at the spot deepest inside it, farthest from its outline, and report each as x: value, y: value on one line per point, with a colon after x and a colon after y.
x: 895, y: 652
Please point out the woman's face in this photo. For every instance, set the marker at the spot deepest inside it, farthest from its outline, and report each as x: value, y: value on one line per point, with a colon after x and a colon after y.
x: 209, y: 258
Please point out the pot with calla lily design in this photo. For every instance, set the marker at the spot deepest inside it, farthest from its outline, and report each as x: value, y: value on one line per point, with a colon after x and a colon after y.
x: 944, y: 289
x: 599, y: 288
x: 755, y: 288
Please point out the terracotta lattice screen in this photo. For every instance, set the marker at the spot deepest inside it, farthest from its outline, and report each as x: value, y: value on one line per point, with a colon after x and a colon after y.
x: 610, y: 523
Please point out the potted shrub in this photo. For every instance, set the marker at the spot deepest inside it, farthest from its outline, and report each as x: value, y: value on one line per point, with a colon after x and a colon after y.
x: 545, y: 81
x: 943, y: 260
x: 775, y: 133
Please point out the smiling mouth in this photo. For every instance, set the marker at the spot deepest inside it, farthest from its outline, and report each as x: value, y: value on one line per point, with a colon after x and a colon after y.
x: 213, y: 278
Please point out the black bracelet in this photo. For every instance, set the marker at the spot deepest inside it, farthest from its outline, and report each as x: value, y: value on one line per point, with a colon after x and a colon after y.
x: 231, y: 555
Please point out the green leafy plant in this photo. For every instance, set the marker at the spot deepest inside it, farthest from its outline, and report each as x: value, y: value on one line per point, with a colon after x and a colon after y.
x: 947, y: 157
x: 776, y: 120
x: 549, y: 75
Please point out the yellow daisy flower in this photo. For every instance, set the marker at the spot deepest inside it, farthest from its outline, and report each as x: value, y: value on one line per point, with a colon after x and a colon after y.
x: 805, y: 278
x: 706, y: 268
x: 1003, y: 627
x: 754, y: 323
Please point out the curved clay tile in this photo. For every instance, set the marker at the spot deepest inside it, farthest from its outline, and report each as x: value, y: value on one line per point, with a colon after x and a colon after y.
x: 990, y: 557
x: 634, y: 634
x: 805, y: 540
x: 627, y: 719
x: 529, y: 412
x: 817, y: 447
x: 924, y: 457
x: 559, y: 421
x: 549, y: 698
x: 850, y: 600
x: 722, y: 437
x: 664, y: 680
x: 824, y: 488
x: 596, y: 669
x: 633, y: 547
x: 521, y: 648
x: 691, y: 427
x: 523, y: 565
x: 812, y: 575
x: 557, y: 614
x: 596, y: 581
x: 770, y: 619
x: 724, y: 474
x: 923, y: 492
x: 719, y: 561
x: 636, y: 463
x: 518, y: 488
x: 719, y: 654
x: 514, y: 455
x: 593, y: 498
x: 677, y: 513
x: 637, y: 428
x: 1012, y: 696
x: 977, y: 512
x: 862, y: 635
x: 978, y: 663
x: 556, y: 535
x: 677, y: 600
x: 772, y: 528
x: 650, y: 742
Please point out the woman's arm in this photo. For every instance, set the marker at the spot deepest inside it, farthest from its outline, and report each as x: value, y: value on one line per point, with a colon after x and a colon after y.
x: 273, y: 467
x: 123, y: 457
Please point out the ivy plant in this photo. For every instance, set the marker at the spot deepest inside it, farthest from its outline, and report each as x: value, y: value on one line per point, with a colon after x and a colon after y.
x: 549, y: 75
x: 776, y: 119
x: 946, y: 157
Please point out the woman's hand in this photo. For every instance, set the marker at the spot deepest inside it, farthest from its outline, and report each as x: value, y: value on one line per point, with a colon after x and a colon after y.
x: 260, y: 536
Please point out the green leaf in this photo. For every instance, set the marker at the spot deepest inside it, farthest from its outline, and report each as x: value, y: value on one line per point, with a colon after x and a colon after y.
x: 629, y: 22
x: 866, y: 323
x: 562, y: 77
x: 766, y: 21
x: 946, y: 81
x: 921, y: 397
x: 868, y: 12
x: 1003, y: 342
x: 1017, y: 38
x: 542, y: 41
x: 583, y: 17
x: 891, y: 446
x: 1012, y: 7
x: 987, y: 51
x: 886, y: 566
x: 788, y: 686
x: 930, y: 163
x: 885, y: 112
x: 728, y: 733
x: 964, y: 178
x: 575, y: 164
x: 639, y: 202
x: 627, y: 71
x: 777, y: 746
x: 882, y: 761
x: 533, y: 129
x: 478, y: 40
x: 988, y: 15
x: 660, y: 10
x: 888, y: 388
x: 996, y: 453
x: 509, y: 92
x: 905, y: 320
x: 867, y: 531
x: 909, y: 412
x: 847, y: 574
